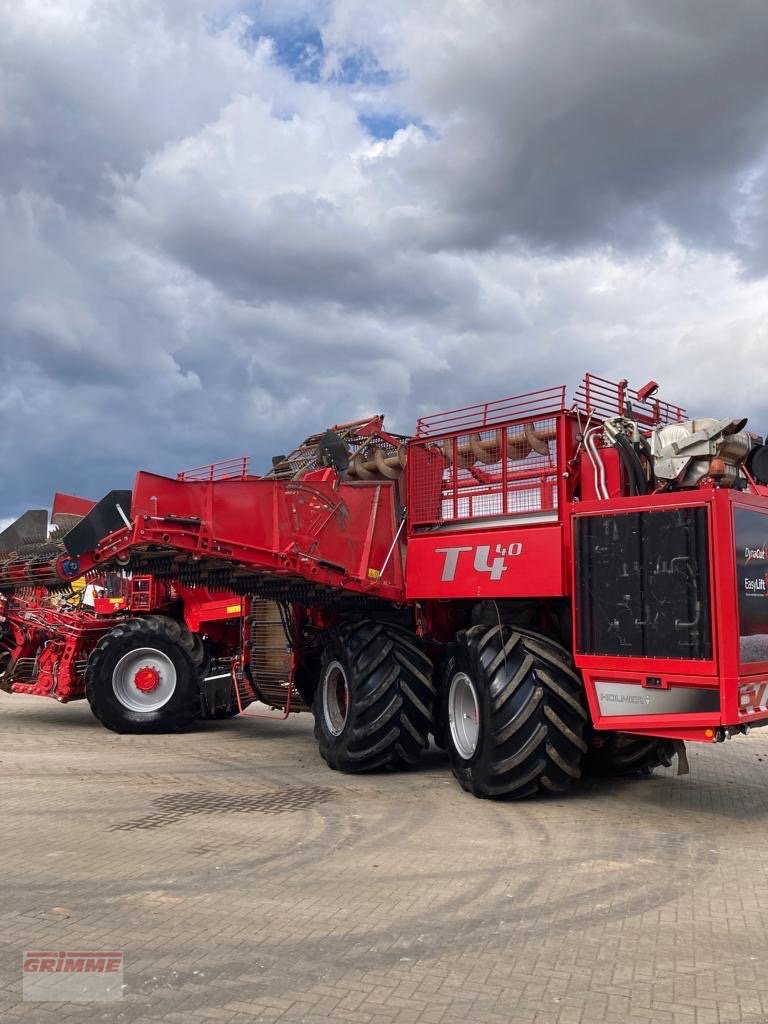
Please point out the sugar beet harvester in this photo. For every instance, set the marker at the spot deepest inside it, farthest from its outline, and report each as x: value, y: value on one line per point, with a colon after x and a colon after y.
x: 546, y: 587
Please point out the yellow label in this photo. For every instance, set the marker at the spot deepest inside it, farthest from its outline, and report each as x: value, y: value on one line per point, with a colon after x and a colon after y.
x: 373, y: 574
x: 233, y: 609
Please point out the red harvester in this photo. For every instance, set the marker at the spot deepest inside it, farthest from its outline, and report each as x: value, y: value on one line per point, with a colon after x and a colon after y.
x: 546, y: 586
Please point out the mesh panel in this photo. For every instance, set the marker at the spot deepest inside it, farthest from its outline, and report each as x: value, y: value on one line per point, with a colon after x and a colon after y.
x: 506, y: 471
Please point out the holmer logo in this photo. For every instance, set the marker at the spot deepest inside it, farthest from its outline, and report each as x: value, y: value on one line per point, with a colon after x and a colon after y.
x: 482, y: 562
x: 626, y: 698
x: 73, y: 976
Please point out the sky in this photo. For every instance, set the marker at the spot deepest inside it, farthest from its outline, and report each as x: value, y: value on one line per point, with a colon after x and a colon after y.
x: 225, y: 226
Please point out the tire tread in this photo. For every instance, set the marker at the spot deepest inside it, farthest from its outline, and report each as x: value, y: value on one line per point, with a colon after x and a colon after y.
x: 533, y: 714
x: 392, y: 695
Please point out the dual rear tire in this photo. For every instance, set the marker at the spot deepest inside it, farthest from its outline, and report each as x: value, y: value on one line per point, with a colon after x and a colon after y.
x: 374, y: 698
x: 514, y: 713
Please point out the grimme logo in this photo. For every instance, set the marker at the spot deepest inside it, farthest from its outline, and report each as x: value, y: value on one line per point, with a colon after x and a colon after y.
x: 98, y: 963
x: 495, y: 567
x: 72, y: 976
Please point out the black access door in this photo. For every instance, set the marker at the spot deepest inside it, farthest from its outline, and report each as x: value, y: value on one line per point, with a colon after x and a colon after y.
x: 643, y: 584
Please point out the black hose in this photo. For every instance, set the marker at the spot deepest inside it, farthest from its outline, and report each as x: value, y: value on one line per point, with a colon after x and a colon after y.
x: 631, y: 459
x: 628, y: 474
x: 646, y: 451
x: 642, y: 483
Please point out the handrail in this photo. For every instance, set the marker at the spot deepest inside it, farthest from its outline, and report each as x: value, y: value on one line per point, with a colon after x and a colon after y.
x: 227, y: 469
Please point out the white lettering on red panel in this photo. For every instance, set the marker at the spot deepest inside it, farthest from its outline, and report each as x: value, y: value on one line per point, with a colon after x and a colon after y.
x: 495, y: 567
x: 753, y: 697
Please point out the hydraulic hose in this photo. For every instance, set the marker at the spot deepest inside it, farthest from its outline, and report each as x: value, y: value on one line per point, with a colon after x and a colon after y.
x: 630, y: 458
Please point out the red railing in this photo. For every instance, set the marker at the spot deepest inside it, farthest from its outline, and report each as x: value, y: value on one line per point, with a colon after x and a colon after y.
x: 520, y: 408
x: 227, y: 469
x: 605, y: 398
x: 501, y: 459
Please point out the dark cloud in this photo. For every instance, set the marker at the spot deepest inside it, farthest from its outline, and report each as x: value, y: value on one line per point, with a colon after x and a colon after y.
x: 571, y: 124
x: 205, y: 250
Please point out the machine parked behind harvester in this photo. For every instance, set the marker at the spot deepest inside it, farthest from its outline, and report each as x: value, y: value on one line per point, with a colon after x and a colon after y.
x: 546, y: 587
x: 49, y: 636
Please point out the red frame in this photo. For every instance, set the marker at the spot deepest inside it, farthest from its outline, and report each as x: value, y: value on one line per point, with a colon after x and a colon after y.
x: 724, y: 671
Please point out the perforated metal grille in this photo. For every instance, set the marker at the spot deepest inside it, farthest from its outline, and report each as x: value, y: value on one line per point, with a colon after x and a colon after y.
x: 270, y: 658
x: 506, y: 471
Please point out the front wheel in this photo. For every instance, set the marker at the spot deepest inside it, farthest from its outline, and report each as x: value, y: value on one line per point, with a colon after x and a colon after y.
x: 515, y: 711
x: 144, y: 676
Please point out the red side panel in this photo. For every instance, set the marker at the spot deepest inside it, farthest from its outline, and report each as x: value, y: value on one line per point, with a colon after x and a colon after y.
x: 518, y: 562
x: 197, y: 614
x: 71, y: 505
x: 317, y: 528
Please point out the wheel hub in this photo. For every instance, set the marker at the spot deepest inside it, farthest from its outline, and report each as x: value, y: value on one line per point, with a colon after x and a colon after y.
x: 464, y: 715
x: 335, y: 698
x: 146, y: 679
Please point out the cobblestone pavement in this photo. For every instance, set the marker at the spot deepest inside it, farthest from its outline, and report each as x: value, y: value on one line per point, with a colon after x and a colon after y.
x: 246, y: 882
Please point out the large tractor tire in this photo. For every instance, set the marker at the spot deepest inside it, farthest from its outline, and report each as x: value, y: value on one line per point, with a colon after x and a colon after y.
x: 144, y: 676
x: 613, y: 754
x: 516, y: 713
x: 373, y: 701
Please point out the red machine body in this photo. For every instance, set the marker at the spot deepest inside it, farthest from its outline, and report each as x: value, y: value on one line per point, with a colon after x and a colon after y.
x: 687, y: 698
x: 479, y: 527
x: 44, y: 650
x: 636, y: 538
x: 46, y: 644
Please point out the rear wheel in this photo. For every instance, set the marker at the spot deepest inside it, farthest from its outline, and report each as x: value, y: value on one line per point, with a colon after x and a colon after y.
x: 373, y: 702
x: 614, y: 754
x: 515, y: 711
x: 144, y: 676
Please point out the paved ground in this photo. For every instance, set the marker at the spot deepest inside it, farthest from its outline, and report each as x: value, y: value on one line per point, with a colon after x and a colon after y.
x: 246, y: 882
